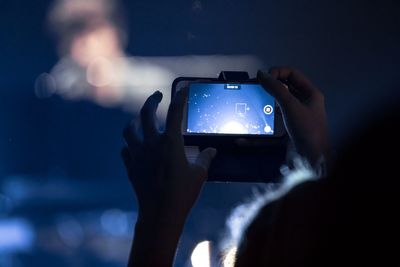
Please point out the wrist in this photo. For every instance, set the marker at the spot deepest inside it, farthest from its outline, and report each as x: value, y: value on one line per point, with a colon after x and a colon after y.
x: 158, y: 221
x: 155, y: 242
x: 167, y: 216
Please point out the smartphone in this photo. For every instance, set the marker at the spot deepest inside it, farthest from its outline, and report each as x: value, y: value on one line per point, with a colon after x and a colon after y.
x: 238, y: 118
x: 229, y: 109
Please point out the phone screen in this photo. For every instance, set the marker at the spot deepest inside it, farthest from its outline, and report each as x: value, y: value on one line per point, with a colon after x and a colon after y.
x: 226, y: 108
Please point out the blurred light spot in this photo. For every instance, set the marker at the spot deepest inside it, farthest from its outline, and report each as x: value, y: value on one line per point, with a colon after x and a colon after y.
x: 201, y: 255
x: 70, y: 231
x: 100, y: 72
x: 15, y: 235
x: 233, y: 127
x: 45, y: 85
x: 115, y: 222
x: 267, y: 129
x: 230, y: 258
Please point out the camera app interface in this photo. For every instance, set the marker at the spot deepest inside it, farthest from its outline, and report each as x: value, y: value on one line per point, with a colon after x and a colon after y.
x: 219, y: 108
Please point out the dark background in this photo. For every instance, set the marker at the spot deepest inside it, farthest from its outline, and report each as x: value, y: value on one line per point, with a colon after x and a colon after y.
x: 60, y: 159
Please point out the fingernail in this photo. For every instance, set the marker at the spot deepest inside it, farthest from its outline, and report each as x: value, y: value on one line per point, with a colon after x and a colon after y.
x: 158, y: 94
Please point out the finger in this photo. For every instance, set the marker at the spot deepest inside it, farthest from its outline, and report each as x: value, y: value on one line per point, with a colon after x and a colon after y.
x: 294, y: 78
x: 175, y: 113
x: 148, y: 115
x: 276, y: 88
x: 131, y: 136
x: 205, y: 158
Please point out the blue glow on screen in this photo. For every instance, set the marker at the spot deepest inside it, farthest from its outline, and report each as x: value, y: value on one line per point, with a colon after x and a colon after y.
x: 218, y: 108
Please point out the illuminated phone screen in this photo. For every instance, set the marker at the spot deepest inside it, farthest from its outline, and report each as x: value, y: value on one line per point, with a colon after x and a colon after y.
x: 221, y: 108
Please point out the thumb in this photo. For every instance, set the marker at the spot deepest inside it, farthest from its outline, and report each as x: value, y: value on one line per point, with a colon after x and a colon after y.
x: 205, y: 158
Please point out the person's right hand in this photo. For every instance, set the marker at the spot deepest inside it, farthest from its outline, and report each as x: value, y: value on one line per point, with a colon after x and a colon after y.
x: 303, y: 109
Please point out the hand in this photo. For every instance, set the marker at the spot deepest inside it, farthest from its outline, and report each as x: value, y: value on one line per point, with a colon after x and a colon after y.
x: 303, y: 109
x: 165, y: 183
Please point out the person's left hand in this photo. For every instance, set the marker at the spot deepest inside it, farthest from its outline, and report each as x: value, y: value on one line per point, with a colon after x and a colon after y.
x: 165, y: 183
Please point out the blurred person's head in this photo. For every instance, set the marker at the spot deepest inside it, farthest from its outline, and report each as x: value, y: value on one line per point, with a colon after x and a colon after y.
x: 91, y: 35
x: 88, y: 29
x: 346, y: 219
